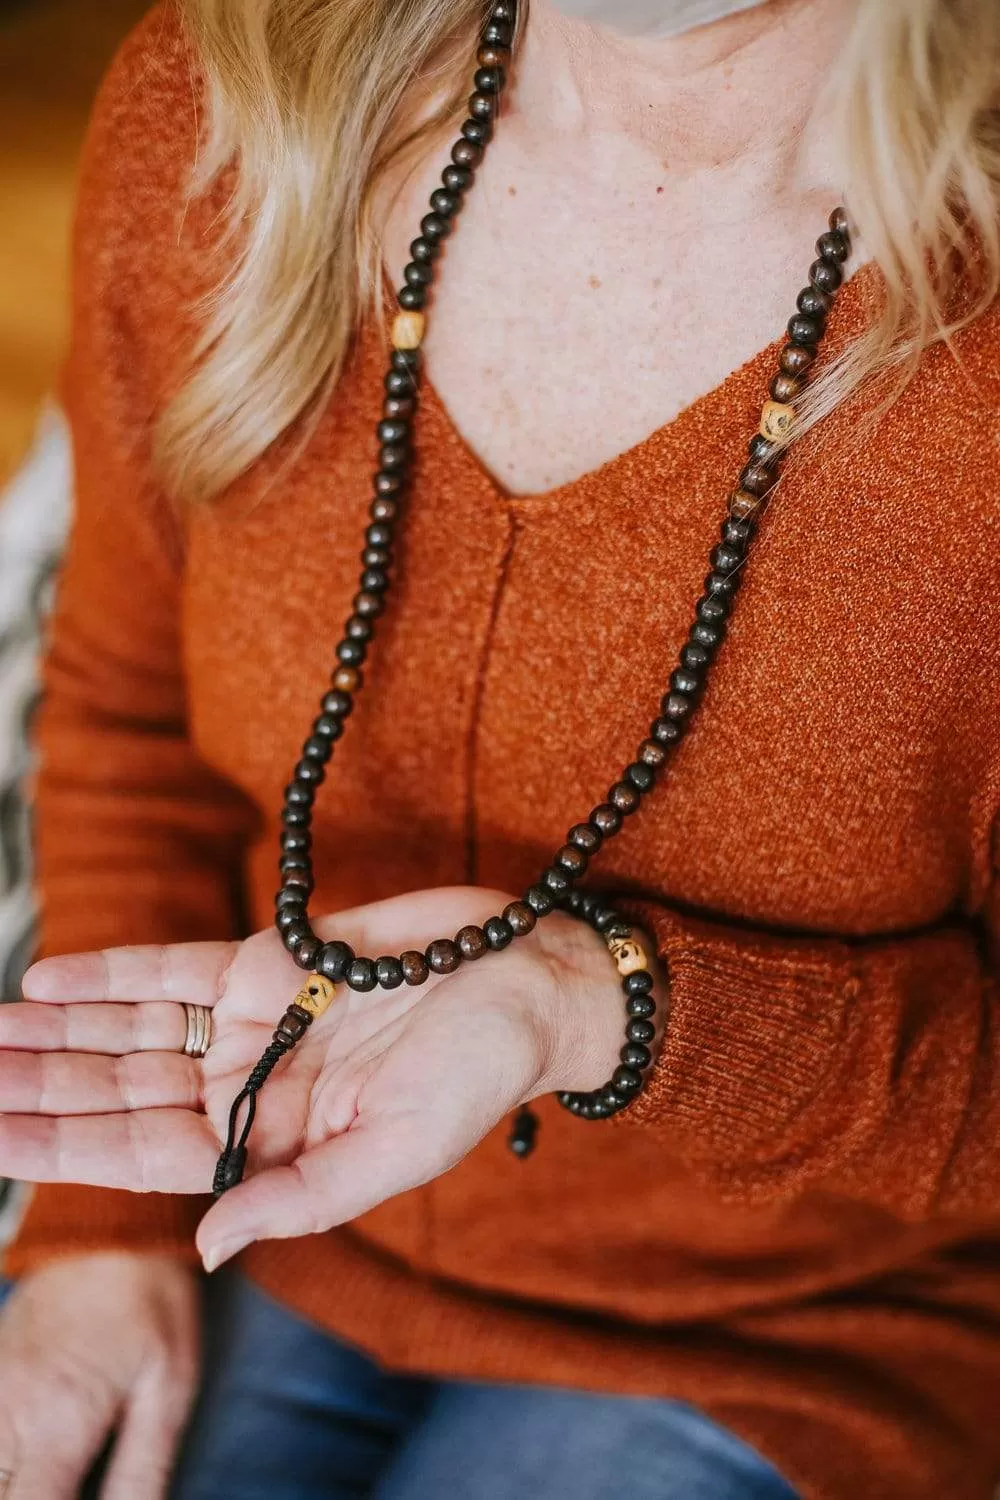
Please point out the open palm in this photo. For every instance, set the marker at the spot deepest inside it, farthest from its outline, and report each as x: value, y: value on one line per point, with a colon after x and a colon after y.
x: 384, y: 1092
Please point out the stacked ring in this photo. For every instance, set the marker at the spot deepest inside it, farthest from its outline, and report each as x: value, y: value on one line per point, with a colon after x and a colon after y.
x: 199, y: 1030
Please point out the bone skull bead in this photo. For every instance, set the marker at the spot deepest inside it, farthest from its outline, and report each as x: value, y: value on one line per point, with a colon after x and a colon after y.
x: 776, y: 420
x: 316, y: 995
x: 628, y: 955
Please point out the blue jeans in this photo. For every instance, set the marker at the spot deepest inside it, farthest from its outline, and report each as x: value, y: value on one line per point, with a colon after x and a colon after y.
x: 289, y: 1413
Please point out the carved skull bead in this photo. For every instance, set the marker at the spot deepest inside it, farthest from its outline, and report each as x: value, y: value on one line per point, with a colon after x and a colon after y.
x: 316, y: 995
x: 628, y: 955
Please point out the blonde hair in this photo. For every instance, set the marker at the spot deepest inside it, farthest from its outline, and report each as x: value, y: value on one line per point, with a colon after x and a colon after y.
x: 310, y: 99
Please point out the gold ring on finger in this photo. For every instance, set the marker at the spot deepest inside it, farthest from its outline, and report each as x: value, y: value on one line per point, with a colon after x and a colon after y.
x: 196, y: 1043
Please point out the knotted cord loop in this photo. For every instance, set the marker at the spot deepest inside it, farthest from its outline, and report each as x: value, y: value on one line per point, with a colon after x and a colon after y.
x: 231, y: 1165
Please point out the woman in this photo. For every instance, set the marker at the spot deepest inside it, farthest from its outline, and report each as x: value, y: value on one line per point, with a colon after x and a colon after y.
x: 774, y: 1273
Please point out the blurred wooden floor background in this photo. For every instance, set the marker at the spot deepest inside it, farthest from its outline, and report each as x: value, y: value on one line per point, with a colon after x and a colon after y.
x: 52, y: 55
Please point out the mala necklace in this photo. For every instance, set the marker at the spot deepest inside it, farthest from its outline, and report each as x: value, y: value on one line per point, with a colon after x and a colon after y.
x: 335, y: 963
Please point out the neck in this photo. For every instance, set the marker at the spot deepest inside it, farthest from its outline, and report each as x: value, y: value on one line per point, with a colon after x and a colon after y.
x: 743, y: 89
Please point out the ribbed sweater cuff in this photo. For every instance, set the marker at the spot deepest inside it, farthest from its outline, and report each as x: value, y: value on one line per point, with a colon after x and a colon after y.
x: 62, y: 1221
x: 752, y: 1035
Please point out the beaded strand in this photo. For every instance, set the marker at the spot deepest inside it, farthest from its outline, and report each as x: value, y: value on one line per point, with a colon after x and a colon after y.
x: 336, y: 962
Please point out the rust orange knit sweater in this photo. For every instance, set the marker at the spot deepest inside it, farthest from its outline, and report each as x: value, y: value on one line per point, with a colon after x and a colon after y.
x: 798, y: 1226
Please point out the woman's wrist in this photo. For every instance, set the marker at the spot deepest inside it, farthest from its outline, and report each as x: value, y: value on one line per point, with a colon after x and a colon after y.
x: 583, y: 1017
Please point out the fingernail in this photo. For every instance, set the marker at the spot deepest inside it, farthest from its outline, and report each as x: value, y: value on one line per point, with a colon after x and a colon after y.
x: 217, y: 1255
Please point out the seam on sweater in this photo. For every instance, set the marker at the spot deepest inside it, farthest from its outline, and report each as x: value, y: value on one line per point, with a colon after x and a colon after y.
x: 479, y: 691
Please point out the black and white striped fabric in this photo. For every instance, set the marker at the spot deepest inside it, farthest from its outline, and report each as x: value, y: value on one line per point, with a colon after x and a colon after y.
x: 34, y: 517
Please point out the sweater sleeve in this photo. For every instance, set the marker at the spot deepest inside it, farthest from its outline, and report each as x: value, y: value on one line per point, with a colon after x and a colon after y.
x: 869, y: 1069
x: 136, y: 840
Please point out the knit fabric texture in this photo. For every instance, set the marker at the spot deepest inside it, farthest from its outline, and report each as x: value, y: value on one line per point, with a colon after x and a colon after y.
x: 797, y: 1226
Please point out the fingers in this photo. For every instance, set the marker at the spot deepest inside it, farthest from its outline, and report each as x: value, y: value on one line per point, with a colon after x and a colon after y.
x: 53, y: 1464
x: 148, y: 1438
x: 112, y: 1030
x: 151, y: 1150
x: 65, y: 1083
x: 175, y: 971
x: 330, y: 1185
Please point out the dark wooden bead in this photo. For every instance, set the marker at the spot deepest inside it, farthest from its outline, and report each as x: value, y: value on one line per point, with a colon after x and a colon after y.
x: 328, y: 727
x: 520, y: 917
x: 435, y: 226
x: 839, y: 221
x: 640, y: 775
x: 337, y: 703
x: 296, y: 817
x: 640, y: 1031
x: 498, y: 933
x: 309, y: 771
x: 298, y: 880
x: 361, y: 975
x: 573, y: 860
x: 606, y: 818
x: 378, y: 534
x: 762, y: 449
x: 695, y: 657
x: 489, y: 80
x: 757, y: 478
x: 472, y: 942
x: 357, y: 629
x: 804, y: 329
x: 626, y: 1080
x: 374, y: 580
x: 318, y: 747
x: 639, y: 983
x: 388, y: 972
x: 684, y: 681
x: 611, y: 1099
x: 795, y: 359
x: 400, y: 383
x: 742, y: 504
x: 307, y: 951
x: 557, y: 881
x: 444, y: 203
x: 498, y: 34
x: 352, y: 652
x: 714, y: 605
x: 652, y: 754
x: 725, y: 558
x: 394, y: 455
x: 384, y: 508
x: 641, y: 1006
x: 814, y: 302
x: 467, y: 154
x: 586, y: 837
x: 826, y: 275
x: 707, y: 635
x: 414, y: 966
x: 493, y: 56
x: 288, y: 916
x: 394, y: 432
x: 424, y: 251
x: 739, y: 531
x: 443, y: 956
x: 334, y: 960
x: 413, y: 298
x: 388, y: 484
x: 368, y: 606
x: 635, y: 1055
x: 296, y: 843
x: 456, y: 179
x: 785, y: 387
x: 376, y: 557
x: 540, y: 900
x: 482, y: 107
x: 677, y: 706
x: 406, y: 359
x: 290, y: 896
x: 624, y: 797
x: 666, y: 731
x: 295, y: 932
x: 833, y: 246
x: 299, y: 794
x: 502, y: 12
x: 480, y: 132
x: 294, y: 1023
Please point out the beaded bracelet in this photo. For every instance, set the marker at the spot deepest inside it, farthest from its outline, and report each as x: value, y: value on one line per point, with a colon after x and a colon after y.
x: 626, y: 1083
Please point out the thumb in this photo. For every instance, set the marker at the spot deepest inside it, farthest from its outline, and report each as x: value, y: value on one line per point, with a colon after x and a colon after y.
x: 328, y: 1185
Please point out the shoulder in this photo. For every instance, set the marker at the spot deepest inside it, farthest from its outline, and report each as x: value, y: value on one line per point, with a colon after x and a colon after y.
x: 140, y: 234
